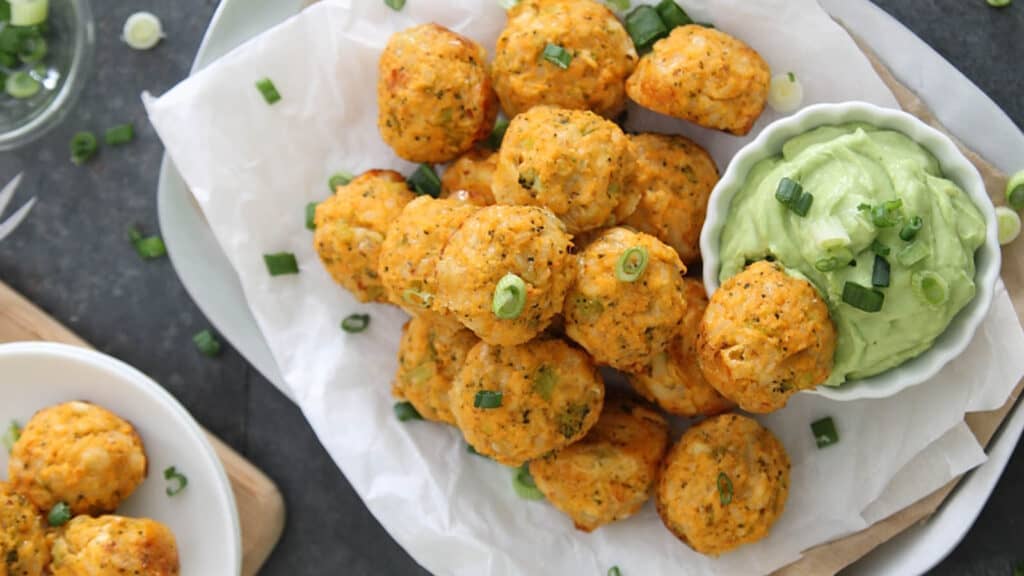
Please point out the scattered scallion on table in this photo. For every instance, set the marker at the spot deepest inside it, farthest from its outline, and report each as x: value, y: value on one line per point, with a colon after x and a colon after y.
x: 83, y: 147
x: 1015, y: 191
x: 999, y: 3
x: 1008, y: 222
x: 147, y: 247
x: 340, y: 178
x: 176, y: 481
x: 862, y: 297
x: 11, y: 435
x: 824, y: 431
x: 509, y: 297
x: 524, y: 484
x: 355, y: 323
x: 425, y: 181
x: 785, y: 93
x: 59, y: 515
x: 724, y: 489
x: 207, y: 343
x: 281, y: 263
x: 557, y: 55
x: 614, y: 571
x: 142, y: 31
x: 268, y: 90
x: 311, y: 215
x: 120, y: 134
x: 631, y: 264
x: 405, y: 411
x: 487, y: 399
x: 395, y: 5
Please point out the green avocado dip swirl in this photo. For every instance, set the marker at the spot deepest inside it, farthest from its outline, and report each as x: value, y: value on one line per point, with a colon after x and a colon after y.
x: 877, y: 195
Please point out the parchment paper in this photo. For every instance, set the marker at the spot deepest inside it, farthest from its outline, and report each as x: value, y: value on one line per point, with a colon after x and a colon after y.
x: 253, y: 167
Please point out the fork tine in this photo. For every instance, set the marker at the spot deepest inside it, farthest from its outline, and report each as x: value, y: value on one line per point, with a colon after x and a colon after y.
x: 8, y: 192
x: 11, y: 223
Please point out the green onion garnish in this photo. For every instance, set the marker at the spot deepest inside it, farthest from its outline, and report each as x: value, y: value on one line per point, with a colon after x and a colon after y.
x: 1008, y: 225
x: 911, y: 228
x: 913, y: 253
x: 791, y: 76
x: 824, y: 431
x: 878, y: 248
x: 788, y: 192
x: 311, y: 215
x: 281, y: 263
x: 147, y: 247
x: 887, y: 214
x: 930, y: 287
x: 5, y: 11
x: 29, y: 12
x: 417, y: 298
x: 405, y: 411
x: 509, y: 297
x: 425, y: 181
x: 11, y: 435
x: 631, y: 264
x: 1015, y: 191
x: 338, y: 179
x: 620, y: 5
x: 557, y: 55
x: 83, y: 146
x: 207, y: 343
x: 645, y: 27
x: 497, y: 134
x: 177, y: 481
x: 828, y: 264
x: 614, y: 571
x: 880, y: 273
x: 487, y: 399
x: 803, y: 204
x: 59, y: 514
x: 268, y: 90
x: 120, y: 134
x: 395, y: 5
x: 998, y: 3
x: 524, y: 485
x: 672, y: 15
x: 724, y: 488
x: 862, y: 298
x: 355, y: 323
x: 33, y: 49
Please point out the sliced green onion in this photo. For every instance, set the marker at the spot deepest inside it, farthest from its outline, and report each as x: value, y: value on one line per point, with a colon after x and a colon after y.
x: 281, y: 263
x: 497, y: 134
x: 911, y: 228
x: 557, y: 55
x: 337, y: 179
x: 487, y: 399
x: 930, y: 287
x: 11, y: 435
x: 142, y: 31
x: 788, y: 192
x: 913, y: 253
x: 1015, y: 191
x: 863, y: 298
x: 8, y: 60
x: 5, y: 11
x: 998, y: 3
x: 405, y: 411
x: 588, y: 310
x: 33, y: 49
x: 724, y: 489
x: 268, y: 90
x: 509, y: 297
x: 671, y: 14
x: 417, y: 298
x: 544, y: 381
x: 22, y: 85
x: 1008, y: 222
x: 631, y: 264
x: 176, y: 481
x: 355, y: 323
x: 620, y: 5
x: 59, y: 514
x: 83, y: 146
x: 824, y: 431
x: 828, y: 264
x: 645, y: 27
x: 507, y: 4
x: 785, y: 93
x: 803, y: 204
x: 614, y: 571
x: 425, y: 181
x: 147, y: 247
x: 311, y: 215
x: 120, y: 134
x: 887, y: 214
x: 880, y: 273
x: 878, y: 248
x: 207, y: 343
x: 28, y: 12
x: 524, y: 485
x: 395, y: 5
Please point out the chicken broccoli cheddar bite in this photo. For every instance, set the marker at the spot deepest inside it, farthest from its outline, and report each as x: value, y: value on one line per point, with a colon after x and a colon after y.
x: 24, y: 548
x: 412, y: 247
x: 505, y: 273
x: 517, y: 403
x: 468, y: 179
x: 434, y: 95
x: 114, y: 545
x: 764, y: 337
x: 673, y: 379
x: 705, y: 76
x: 573, y: 162
x: 723, y: 484
x: 626, y: 302
x: 430, y: 355
x: 675, y: 177
x: 610, y: 473
x: 79, y: 454
x: 567, y: 53
x: 350, y: 229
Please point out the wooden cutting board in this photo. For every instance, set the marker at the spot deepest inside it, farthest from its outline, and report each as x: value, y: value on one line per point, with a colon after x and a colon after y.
x: 261, y: 510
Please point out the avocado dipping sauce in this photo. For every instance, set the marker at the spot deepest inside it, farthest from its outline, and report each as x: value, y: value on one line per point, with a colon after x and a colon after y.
x: 855, y: 172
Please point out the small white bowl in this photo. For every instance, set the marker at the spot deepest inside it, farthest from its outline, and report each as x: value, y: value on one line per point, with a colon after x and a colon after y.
x: 954, y: 166
x: 203, y: 517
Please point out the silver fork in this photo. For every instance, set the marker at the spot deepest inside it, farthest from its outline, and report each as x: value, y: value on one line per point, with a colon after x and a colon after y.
x: 8, y: 226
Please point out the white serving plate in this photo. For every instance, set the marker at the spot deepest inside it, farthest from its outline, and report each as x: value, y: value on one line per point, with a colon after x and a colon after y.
x: 963, y: 108
x: 203, y: 517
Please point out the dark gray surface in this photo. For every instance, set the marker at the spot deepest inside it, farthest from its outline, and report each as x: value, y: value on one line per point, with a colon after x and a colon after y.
x: 72, y: 258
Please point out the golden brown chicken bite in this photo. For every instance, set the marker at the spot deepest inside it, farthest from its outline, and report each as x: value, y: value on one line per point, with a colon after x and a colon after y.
x: 517, y: 403
x: 513, y: 254
x: 626, y: 301
x: 114, y: 546
x: 673, y: 380
x: 675, y: 177
x: 412, y: 247
x: 591, y: 50
x: 430, y: 355
x: 610, y: 473
x: 705, y: 76
x: 434, y: 96
x: 350, y: 229
x: 79, y: 454
x: 24, y: 548
x: 468, y: 179
x: 723, y: 484
x: 764, y: 337
x: 573, y: 162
